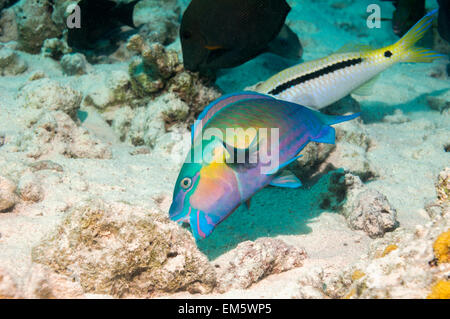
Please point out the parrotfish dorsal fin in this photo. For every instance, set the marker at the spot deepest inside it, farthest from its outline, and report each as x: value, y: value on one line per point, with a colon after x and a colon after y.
x: 219, y: 104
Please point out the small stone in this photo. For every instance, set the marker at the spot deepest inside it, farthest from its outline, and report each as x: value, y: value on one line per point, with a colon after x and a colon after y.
x: 370, y: 211
x: 251, y: 261
x: 11, y: 63
x: 8, y: 197
x: 74, y: 64
x: 443, y: 185
x: 50, y: 95
x: 46, y: 165
x: 30, y: 188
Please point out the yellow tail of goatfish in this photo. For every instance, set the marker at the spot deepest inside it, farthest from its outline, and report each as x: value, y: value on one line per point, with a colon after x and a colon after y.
x: 405, y: 46
x: 353, y: 69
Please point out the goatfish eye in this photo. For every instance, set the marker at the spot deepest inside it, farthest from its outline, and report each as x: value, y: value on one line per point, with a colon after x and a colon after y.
x: 186, y: 182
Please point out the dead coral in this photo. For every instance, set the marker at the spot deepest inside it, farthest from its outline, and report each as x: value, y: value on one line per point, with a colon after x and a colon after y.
x: 123, y: 251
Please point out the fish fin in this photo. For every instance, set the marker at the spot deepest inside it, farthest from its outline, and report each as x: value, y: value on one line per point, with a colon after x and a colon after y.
x: 406, y: 47
x: 422, y: 55
x: 336, y: 119
x: 327, y: 135
x: 213, y: 47
x: 82, y: 115
x: 219, y: 104
x: 286, y: 44
x: 367, y: 88
x: 201, y: 225
x: 286, y: 179
x: 248, y: 203
x: 124, y: 13
x: 275, y: 170
x: 355, y: 47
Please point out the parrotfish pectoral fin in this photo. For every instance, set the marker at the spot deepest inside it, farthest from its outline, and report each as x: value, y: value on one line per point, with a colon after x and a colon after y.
x: 201, y: 225
x: 283, y: 165
x: 286, y: 179
x: 248, y: 203
x: 327, y: 135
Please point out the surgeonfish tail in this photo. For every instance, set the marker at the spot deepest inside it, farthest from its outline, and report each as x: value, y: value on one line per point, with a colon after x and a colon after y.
x: 335, y: 119
x: 406, y: 45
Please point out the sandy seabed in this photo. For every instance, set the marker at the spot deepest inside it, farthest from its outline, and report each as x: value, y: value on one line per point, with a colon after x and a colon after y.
x: 84, y: 204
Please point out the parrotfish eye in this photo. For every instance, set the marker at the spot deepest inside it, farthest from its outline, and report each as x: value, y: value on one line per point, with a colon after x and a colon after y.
x: 186, y: 182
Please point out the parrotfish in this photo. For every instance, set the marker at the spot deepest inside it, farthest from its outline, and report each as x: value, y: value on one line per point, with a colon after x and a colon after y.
x: 224, y: 170
x: 226, y: 33
x: 353, y: 69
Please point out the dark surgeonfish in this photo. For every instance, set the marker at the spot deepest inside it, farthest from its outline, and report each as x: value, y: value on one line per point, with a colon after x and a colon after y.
x: 409, y: 11
x: 98, y: 18
x: 226, y: 33
x: 444, y: 19
x: 406, y: 14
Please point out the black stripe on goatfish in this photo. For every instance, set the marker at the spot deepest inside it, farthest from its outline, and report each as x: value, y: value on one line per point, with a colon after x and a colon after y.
x: 313, y: 75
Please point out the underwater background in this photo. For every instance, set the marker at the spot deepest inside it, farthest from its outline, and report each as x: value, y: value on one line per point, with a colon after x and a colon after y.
x: 93, y: 136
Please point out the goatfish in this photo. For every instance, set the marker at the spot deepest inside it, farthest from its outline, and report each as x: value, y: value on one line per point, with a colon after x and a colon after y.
x: 353, y: 69
x: 213, y: 182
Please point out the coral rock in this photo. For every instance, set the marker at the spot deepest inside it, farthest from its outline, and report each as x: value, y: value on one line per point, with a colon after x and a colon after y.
x: 55, y: 48
x: 443, y: 185
x: 56, y: 133
x: 74, y: 64
x: 369, y: 210
x: 364, y: 208
x: 35, y: 24
x: 149, y: 123
x: 251, y: 261
x: 441, y: 247
x: 11, y: 63
x: 30, y: 189
x: 8, y: 287
x: 8, y: 197
x: 123, y: 251
x: 50, y: 95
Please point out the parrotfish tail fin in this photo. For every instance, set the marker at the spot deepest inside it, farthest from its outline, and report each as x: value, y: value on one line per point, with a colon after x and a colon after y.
x: 201, y: 225
x: 327, y: 133
x: 336, y: 119
x: 405, y: 46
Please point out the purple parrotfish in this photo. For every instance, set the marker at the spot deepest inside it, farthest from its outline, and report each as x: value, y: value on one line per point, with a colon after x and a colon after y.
x: 241, y: 143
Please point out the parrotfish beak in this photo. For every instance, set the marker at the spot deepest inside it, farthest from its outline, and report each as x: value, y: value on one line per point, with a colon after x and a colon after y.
x: 177, y: 213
